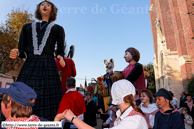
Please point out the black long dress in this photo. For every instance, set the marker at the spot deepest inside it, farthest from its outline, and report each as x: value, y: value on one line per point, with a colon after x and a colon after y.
x: 90, y: 114
x: 40, y: 71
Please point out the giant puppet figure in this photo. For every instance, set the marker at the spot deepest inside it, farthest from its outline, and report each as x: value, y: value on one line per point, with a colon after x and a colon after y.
x: 134, y: 71
x: 37, y: 43
x: 107, y: 81
x: 99, y: 91
x: 69, y: 70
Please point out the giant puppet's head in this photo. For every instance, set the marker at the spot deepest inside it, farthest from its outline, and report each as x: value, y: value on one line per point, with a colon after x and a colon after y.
x: 100, y: 86
x: 53, y: 14
x: 109, y: 65
x: 134, y: 53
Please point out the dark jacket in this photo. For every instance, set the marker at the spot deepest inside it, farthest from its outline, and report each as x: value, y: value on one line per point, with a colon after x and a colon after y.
x: 90, y: 114
x: 182, y: 101
x: 170, y: 119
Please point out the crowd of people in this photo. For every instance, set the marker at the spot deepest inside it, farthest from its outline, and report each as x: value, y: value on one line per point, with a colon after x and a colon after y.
x: 37, y: 94
x: 154, y: 112
x: 123, y: 113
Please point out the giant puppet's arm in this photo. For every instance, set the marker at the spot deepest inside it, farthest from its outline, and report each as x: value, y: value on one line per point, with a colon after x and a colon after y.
x: 21, y: 46
x: 22, y: 43
x: 60, y: 42
x: 135, y: 73
x: 60, y: 46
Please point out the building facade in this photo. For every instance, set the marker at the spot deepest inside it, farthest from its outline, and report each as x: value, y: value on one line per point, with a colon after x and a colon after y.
x: 5, y: 81
x: 172, y: 23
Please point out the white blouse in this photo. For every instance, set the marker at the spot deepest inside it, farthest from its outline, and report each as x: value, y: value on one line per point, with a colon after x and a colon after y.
x: 129, y: 122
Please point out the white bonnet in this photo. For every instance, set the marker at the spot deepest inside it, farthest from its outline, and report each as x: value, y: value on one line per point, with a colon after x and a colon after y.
x: 120, y: 89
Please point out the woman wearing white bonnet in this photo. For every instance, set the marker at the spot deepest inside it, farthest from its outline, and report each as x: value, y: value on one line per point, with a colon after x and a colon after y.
x: 129, y: 116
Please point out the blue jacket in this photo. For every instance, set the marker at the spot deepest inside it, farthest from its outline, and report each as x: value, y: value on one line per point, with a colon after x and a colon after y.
x: 170, y: 119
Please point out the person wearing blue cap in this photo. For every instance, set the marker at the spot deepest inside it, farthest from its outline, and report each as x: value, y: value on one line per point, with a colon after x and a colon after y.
x: 17, y: 103
x: 167, y: 117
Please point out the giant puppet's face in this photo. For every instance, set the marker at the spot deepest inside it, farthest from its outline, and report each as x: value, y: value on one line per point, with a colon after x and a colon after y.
x: 128, y: 57
x: 45, y: 9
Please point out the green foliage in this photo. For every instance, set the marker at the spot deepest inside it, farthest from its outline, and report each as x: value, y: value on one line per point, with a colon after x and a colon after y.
x: 150, y: 77
x: 190, y: 87
x: 152, y: 89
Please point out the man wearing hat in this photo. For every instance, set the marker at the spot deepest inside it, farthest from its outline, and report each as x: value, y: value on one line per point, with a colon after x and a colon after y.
x: 17, y: 103
x: 167, y: 117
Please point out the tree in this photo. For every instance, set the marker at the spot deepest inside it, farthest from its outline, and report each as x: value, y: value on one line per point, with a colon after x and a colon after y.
x: 190, y: 87
x: 16, y: 19
x: 151, y: 77
x: 9, y: 37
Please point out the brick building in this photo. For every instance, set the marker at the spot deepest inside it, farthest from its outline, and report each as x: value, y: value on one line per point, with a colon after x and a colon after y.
x: 172, y: 23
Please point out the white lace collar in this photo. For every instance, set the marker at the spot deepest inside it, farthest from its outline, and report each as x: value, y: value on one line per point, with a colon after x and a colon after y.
x: 38, y: 50
x: 151, y: 108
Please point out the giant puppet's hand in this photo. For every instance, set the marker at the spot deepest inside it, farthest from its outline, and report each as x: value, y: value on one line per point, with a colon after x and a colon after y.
x: 61, y: 61
x: 13, y: 53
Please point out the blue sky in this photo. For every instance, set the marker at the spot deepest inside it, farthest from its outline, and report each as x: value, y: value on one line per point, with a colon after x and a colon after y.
x: 99, y: 29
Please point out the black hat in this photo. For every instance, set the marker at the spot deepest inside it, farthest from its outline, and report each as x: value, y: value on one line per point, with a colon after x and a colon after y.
x: 163, y: 92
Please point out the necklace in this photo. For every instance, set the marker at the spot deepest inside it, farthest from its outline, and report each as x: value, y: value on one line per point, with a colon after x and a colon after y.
x: 42, y: 26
